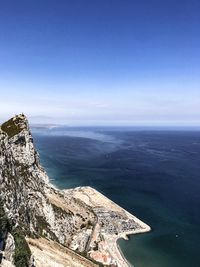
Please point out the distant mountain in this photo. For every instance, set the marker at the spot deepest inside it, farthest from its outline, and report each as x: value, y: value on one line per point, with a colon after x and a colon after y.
x: 43, y: 126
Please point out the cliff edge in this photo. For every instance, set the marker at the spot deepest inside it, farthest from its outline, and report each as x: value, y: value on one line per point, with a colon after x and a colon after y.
x: 44, y: 226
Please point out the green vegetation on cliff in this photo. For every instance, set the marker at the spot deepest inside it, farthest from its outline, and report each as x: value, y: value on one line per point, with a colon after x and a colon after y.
x: 4, y: 222
x: 13, y: 126
x: 22, y: 252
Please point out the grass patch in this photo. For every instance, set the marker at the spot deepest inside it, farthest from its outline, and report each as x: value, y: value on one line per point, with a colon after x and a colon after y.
x: 13, y: 126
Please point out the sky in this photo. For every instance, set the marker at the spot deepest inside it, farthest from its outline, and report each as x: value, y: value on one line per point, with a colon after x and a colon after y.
x: 101, y: 62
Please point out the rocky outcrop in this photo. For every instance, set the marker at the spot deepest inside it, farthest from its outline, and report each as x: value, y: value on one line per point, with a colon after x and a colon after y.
x: 36, y: 219
x: 24, y: 193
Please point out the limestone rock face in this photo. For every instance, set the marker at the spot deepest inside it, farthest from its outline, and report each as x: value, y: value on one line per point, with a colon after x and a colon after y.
x: 9, y: 250
x: 22, y: 179
x: 25, y: 191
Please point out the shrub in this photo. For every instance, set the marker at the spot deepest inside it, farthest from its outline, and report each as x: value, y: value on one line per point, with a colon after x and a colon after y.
x: 22, y: 251
x: 4, y: 222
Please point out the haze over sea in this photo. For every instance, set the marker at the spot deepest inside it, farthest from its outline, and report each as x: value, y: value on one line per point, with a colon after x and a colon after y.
x: 154, y: 174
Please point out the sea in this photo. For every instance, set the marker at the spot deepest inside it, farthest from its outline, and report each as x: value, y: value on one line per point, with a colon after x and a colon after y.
x: 152, y: 173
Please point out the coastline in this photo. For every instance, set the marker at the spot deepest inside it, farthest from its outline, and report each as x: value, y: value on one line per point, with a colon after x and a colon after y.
x: 142, y: 203
x: 113, y: 223
x: 126, y: 237
x: 93, y: 198
x: 122, y: 254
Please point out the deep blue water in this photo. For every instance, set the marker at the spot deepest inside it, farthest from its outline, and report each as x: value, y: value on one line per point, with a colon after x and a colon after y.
x: 153, y: 174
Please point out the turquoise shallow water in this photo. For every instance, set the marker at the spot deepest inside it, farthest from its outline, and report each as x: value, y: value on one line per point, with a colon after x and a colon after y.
x: 153, y: 174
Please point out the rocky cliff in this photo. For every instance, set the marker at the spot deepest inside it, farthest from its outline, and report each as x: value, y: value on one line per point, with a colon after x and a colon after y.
x: 43, y: 226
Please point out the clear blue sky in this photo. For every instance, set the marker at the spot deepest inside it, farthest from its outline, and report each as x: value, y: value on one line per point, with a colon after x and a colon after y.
x: 101, y: 62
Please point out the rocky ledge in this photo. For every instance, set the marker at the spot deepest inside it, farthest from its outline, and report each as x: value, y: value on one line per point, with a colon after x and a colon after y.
x: 42, y: 226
